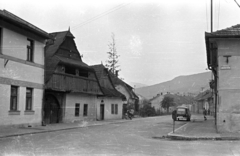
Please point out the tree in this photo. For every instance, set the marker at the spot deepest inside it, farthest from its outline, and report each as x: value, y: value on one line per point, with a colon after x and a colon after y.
x: 167, y: 102
x: 112, y: 62
x: 147, y: 110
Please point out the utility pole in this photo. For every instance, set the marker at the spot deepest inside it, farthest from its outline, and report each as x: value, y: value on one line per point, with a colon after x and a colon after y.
x: 211, y: 17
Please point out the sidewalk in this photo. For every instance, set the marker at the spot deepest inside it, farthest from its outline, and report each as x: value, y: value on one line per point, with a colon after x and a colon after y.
x: 11, y: 131
x: 198, y: 129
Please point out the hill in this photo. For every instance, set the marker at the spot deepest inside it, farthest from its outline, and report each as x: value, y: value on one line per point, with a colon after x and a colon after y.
x: 184, y: 85
x: 137, y: 85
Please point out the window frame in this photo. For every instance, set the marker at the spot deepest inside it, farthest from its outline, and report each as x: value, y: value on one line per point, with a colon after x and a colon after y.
x: 30, y: 50
x: 112, y: 109
x: 29, y: 107
x: 77, y: 109
x: 85, y: 110
x: 116, y: 108
x: 14, y: 107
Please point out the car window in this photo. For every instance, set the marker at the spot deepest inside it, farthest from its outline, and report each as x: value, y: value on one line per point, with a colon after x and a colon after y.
x: 181, y: 110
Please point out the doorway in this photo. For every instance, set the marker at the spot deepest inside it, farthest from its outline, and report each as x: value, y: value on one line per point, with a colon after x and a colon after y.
x: 101, y: 111
x: 51, y: 110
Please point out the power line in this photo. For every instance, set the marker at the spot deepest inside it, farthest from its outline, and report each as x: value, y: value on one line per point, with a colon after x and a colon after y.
x: 100, y: 15
x: 237, y: 3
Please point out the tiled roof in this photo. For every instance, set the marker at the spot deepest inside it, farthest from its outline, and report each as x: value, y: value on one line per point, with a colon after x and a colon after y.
x: 233, y: 31
x: 10, y: 17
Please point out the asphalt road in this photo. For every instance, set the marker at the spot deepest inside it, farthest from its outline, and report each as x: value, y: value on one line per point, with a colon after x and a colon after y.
x: 133, y: 138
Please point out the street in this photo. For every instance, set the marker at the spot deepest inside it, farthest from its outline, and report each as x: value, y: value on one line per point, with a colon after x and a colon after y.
x: 133, y: 137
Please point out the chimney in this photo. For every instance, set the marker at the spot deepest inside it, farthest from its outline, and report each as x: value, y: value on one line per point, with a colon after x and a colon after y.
x: 116, y: 73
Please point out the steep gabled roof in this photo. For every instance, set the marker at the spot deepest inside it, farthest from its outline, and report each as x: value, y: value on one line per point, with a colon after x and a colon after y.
x: 11, y: 18
x: 52, y: 60
x: 57, y: 39
x: 117, y: 81
x: 107, y: 86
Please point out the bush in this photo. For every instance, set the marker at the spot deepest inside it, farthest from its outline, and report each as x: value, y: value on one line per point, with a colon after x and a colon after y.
x: 147, y: 111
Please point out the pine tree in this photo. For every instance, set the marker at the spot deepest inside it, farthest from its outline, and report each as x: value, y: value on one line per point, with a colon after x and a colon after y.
x: 112, y: 62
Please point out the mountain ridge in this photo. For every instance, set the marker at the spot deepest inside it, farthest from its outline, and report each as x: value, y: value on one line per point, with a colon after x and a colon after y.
x: 183, y: 84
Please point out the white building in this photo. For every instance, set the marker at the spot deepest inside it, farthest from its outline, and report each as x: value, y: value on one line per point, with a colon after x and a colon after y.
x: 21, y: 70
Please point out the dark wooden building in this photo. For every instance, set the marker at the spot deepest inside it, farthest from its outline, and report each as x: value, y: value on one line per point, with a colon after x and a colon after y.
x: 71, y: 86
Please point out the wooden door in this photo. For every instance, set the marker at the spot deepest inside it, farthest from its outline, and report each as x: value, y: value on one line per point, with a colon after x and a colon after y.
x: 102, y: 112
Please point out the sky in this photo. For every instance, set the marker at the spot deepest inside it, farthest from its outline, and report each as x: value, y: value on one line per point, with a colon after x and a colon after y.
x: 157, y: 40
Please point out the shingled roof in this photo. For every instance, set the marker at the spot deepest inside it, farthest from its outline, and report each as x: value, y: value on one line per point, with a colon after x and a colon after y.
x: 118, y: 81
x: 106, y: 82
x: 53, y: 60
x: 11, y: 18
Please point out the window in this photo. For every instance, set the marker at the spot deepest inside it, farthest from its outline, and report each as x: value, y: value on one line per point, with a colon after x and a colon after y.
x: 112, y: 108
x: 30, y: 50
x: 85, y: 110
x: 29, y: 98
x: 14, y: 98
x: 116, y: 108
x: 77, y: 108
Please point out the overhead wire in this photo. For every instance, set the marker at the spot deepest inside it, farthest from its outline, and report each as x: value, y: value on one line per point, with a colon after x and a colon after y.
x: 237, y: 3
x: 100, y: 15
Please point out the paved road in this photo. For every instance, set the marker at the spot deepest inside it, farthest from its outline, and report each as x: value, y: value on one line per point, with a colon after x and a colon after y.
x: 133, y: 138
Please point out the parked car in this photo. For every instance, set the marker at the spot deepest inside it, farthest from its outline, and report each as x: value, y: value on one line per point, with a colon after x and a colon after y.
x: 183, y: 113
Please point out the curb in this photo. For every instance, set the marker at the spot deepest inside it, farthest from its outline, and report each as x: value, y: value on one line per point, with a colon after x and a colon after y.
x: 173, y: 136
x: 60, y: 129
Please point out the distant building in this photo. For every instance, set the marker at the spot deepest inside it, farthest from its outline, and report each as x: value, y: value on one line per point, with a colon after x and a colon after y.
x: 204, y: 100
x: 223, y: 58
x: 21, y: 70
x: 156, y: 102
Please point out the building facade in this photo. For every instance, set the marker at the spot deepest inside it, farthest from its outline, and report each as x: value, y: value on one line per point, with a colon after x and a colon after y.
x: 72, y: 87
x: 109, y: 106
x: 223, y: 58
x: 21, y: 70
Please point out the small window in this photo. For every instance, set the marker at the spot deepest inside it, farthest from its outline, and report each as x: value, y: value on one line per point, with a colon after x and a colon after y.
x: 29, y: 92
x: 112, y: 108
x: 30, y: 50
x: 116, y: 108
x: 14, y: 98
x: 85, y: 110
x: 77, y: 109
